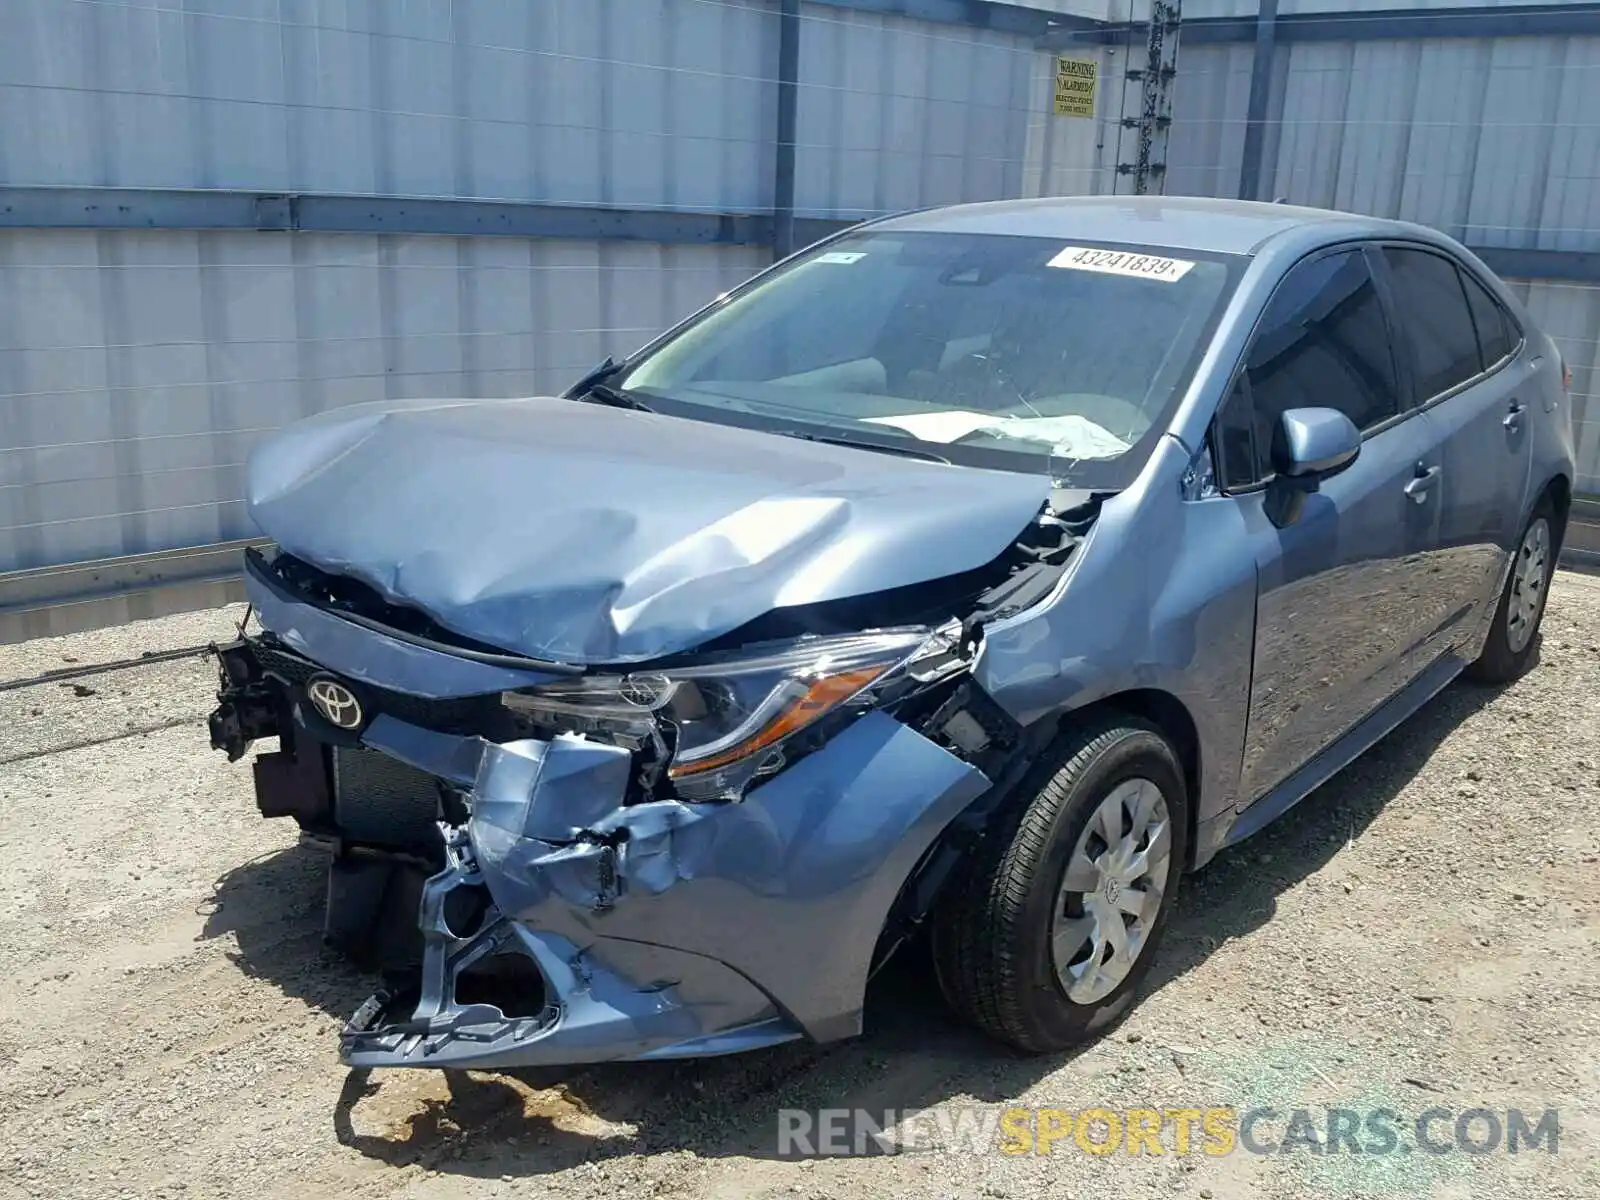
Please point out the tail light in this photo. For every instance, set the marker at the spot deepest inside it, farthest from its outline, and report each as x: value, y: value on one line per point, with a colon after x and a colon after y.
x: 1566, y: 377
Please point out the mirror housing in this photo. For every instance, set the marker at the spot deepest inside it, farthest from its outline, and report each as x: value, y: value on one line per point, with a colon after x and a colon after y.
x: 1311, y: 443
x: 1308, y: 445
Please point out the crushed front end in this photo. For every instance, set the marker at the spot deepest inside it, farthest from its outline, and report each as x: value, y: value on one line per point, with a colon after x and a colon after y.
x: 520, y: 858
x: 559, y: 864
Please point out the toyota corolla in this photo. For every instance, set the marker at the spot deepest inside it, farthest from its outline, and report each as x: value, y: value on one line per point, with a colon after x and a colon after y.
x: 967, y: 578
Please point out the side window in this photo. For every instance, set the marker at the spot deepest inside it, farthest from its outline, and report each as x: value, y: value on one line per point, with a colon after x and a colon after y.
x: 1498, y: 334
x: 1322, y: 343
x: 1432, y: 305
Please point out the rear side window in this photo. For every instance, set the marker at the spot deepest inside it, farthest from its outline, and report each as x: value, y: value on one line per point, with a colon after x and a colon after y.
x: 1432, y: 306
x: 1323, y: 342
x: 1498, y: 334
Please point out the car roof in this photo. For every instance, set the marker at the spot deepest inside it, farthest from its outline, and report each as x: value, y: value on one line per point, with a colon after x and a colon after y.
x: 1172, y: 222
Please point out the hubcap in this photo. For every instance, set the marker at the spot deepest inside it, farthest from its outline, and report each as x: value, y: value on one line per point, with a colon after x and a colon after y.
x: 1111, y: 891
x: 1529, y: 578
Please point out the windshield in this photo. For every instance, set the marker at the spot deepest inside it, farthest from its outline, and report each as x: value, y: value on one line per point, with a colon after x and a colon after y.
x: 1029, y: 353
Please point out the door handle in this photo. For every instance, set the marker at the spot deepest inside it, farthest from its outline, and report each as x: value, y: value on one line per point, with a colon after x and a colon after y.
x: 1417, y: 489
x: 1513, y: 419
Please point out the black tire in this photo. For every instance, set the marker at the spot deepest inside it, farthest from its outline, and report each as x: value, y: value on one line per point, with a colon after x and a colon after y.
x: 1499, y: 662
x: 991, y: 933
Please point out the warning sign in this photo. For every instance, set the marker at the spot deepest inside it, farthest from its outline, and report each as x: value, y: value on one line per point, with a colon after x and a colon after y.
x: 1075, y: 84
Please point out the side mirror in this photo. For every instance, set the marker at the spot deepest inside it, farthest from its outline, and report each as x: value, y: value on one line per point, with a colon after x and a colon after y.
x: 1308, y: 445
x: 1312, y: 442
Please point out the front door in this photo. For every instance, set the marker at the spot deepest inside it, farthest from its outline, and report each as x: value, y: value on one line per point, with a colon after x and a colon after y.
x: 1340, y: 588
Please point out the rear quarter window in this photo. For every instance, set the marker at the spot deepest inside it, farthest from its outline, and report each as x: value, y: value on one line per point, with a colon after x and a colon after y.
x: 1431, y: 304
x: 1498, y: 333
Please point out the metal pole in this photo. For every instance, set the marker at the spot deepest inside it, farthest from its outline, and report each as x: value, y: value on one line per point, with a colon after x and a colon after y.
x: 1255, y: 121
x: 788, y: 121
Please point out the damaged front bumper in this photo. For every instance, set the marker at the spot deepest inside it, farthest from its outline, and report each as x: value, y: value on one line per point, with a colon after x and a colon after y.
x: 568, y: 925
x: 560, y: 1001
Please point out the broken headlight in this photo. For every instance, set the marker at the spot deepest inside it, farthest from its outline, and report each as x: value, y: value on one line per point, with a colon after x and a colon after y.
x: 731, y: 717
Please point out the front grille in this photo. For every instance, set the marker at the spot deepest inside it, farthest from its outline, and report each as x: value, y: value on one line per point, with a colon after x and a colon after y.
x: 380, y: 801
x: 465, y: 715
x: 290, y: 668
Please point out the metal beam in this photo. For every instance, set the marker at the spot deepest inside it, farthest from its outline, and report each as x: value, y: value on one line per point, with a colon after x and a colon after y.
x: 808, y: 230
x: 1574, y: 266
x: 1255, y: 117
x: 1022, y: 19
x: 142, y: 208
x: 128, y: 208
x: 788, y: 129
x: 346, y: 214
x: 1488, y: 21
x: 161, y: 208
x: 78, y: 583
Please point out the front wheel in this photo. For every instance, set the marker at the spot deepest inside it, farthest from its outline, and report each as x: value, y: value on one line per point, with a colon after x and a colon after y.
x: 1045, y: 938
x: 1511, y: 639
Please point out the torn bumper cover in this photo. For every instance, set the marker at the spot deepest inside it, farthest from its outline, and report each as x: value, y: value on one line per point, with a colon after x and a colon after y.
x: 568, y: 924
x: 661, y: 929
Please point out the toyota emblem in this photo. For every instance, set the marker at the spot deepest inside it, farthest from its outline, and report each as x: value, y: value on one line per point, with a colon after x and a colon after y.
x: 337, y: 703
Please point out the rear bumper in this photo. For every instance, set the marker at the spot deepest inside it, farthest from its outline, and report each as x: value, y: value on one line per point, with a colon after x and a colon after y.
x: 647, y: 930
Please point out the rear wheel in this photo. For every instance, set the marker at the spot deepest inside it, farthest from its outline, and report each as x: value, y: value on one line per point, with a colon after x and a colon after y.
x: 1512, y: 635
x: 1044, y: 940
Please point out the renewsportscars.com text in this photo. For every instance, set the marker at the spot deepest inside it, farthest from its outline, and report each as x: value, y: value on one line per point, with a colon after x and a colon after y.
x: 1210, y: 1131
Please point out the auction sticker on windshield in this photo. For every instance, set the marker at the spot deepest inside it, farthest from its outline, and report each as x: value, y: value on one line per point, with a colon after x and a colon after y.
x: 1122, y: 262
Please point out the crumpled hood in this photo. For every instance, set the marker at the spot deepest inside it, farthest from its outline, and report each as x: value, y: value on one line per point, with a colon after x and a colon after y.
x: 569, y: 531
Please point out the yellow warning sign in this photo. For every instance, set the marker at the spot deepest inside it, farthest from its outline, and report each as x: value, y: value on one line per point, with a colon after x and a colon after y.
x: 1075, y: 84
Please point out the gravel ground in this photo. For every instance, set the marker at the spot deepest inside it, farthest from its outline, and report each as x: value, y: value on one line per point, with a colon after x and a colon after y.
x: 1423, y: 932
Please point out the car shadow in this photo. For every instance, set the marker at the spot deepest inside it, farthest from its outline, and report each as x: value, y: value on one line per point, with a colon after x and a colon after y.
x: 1237, y: 892
x: 914, y: 1054
x: 272, y: 907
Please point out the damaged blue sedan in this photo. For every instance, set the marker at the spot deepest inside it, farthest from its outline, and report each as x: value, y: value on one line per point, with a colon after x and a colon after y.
x: 966, y: 578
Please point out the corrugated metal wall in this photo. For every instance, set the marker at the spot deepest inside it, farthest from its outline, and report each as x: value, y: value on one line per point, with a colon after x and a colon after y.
x: 141, y: 367
x: 137, y: 368
x: 648, y: 102
x: 1496, y: 142
x: 897, y: 114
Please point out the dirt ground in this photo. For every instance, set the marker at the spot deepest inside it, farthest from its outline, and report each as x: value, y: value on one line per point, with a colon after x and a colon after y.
x: 1422, y: 932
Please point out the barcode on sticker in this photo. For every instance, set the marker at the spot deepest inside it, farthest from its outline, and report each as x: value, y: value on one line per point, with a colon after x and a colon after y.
x: 1122, y: 262
x: 845, y: 257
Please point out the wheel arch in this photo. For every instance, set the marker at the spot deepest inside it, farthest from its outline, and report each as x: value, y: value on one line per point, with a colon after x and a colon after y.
x: 1172, y: 718
x: 1558, y: 489
x: 926, y: 880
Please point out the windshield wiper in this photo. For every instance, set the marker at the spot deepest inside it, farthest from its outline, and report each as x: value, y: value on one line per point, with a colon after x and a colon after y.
x: 594, y: 388
x: 604, y: 393
x: 855, y: 444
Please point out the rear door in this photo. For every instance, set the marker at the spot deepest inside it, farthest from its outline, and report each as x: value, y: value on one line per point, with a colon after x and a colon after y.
x: 1460, y: 367
x: 1339, y: 594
